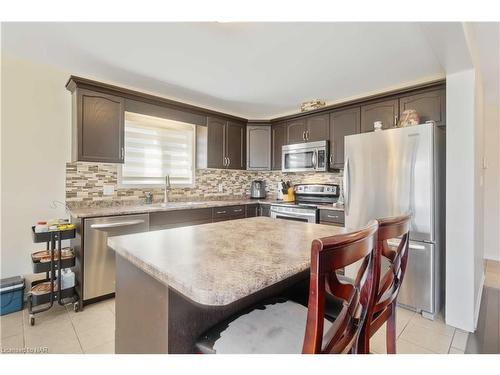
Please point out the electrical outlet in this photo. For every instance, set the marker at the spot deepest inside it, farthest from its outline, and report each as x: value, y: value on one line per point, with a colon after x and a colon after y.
x: 221, y: 188
x: 108, y: 189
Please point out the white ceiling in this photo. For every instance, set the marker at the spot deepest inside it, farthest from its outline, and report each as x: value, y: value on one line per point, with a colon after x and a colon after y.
x: 254, y: 70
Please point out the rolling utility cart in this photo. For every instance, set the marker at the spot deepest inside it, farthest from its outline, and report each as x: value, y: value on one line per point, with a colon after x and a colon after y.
x: 55, y: 262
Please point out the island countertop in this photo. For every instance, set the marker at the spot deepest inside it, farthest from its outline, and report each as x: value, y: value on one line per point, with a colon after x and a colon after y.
x: 219, y: 263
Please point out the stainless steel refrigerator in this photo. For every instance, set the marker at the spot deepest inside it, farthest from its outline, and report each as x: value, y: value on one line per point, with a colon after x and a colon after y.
x: 389, y: 173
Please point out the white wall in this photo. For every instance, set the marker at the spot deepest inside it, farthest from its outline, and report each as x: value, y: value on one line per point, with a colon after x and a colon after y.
x: 35, y: 145
x: 460, y: 207
x: 492, y: 182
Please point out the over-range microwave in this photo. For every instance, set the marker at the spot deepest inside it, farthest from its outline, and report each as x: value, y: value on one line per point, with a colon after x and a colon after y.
x: 303, y: 157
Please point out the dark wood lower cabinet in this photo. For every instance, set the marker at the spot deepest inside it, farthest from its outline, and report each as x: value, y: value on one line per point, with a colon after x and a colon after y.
x: 181, y: 218
x: 228, y: 213
x: 332, y: 217
x: 253, y: 210
x: 265, y: 210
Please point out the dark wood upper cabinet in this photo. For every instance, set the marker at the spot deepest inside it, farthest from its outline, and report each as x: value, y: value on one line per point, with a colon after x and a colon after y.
x: 226, y: 144
x: 235, y: 145
x: 429, y: 105
x: 386, y: 111
x: 317, y: 128
x: 98, y: 127
x: 342, y: 123
x: 296, y: 131
x: 216, y: 142
x: 278, y: 139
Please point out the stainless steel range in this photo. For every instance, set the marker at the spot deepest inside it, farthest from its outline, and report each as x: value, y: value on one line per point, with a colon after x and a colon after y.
x: 308, y: 197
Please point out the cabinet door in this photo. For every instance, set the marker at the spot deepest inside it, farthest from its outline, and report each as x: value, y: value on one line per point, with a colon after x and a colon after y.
x: 252, y: 210
x: 258, y: 147
x: 429, y: 106
x: 342, y: 123
x: 236, y: 145
x: 296, y: 130
x: 215, y: 142
x: 317, y: 128
x: 278, y: 140
x: 386, y: 111
x: 100, y: 124
x: 181, y: 218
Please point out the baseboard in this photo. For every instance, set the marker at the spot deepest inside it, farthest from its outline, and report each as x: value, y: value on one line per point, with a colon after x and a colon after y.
x: 478, y: 301
x: 495, y: 258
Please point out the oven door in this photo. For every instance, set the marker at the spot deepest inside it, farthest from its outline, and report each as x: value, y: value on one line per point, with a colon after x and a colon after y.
x: 304, y: 216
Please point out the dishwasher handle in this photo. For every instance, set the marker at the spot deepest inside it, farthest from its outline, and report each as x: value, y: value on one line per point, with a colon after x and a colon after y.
x: 116, y: 225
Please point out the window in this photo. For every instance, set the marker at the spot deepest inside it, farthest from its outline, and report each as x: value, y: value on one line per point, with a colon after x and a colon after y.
x: 156, y: 147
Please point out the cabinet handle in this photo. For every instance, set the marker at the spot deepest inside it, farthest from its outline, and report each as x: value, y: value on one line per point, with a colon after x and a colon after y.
x: 307, y: 135
x: 395, y: 120
x: 331, y: 160
x: 228, y: 161
x: 220, y: 212
x: 238, y: 210
x: 333, y: 216
x: 304, y: 135
x: 122, y: 153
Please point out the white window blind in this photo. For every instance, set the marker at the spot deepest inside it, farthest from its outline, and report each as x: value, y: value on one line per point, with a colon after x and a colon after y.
x: 156, y: 147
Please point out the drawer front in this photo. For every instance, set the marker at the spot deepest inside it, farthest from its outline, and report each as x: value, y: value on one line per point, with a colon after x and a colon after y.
x: 228, y: 211
x: 331, y: 216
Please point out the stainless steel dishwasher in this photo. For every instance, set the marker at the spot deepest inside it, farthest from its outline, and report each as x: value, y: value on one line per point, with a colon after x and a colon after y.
x: 99, y: 259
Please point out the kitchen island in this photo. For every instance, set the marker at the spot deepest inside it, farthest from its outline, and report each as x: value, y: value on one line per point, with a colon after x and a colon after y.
x: 173, y: 284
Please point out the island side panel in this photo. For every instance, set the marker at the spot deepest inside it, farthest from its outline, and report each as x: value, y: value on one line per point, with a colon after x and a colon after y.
x: 189, y: 320
x: 141, y: 323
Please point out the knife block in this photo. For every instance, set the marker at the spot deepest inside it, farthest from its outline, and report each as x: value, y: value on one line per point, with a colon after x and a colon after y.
x: 290, y: 197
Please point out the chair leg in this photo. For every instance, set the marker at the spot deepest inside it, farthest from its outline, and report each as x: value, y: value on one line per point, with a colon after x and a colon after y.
x: 391, y: 331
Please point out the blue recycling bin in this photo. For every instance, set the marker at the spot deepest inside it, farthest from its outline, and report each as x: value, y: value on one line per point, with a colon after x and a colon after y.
x: 11, y: 294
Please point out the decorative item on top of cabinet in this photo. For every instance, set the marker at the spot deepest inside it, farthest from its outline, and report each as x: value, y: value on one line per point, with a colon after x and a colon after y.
x: 342, y: 123
x: 408, y: 117
x: 385, y: 111
x: 98, y: 126
x: 278, y: 139
x: 430, y: 106
x: 259, y: 147
x: 312, y: 105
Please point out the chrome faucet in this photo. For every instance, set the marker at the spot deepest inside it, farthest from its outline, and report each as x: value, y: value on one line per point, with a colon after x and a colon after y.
x: 167, y: 188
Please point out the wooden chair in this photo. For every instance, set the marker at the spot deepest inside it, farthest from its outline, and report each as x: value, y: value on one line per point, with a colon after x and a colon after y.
x: 388, y: 287
x: 279, y: 325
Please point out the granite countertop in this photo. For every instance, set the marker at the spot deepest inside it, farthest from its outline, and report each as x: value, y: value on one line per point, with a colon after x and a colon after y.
x: 86, y: 212
x: 79, y: 213
x: 219, y: 263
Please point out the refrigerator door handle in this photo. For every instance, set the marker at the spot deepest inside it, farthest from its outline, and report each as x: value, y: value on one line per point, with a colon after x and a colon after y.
x: 347, y: 187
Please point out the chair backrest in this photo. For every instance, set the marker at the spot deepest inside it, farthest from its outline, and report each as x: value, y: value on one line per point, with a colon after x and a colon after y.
x: 327, y: 256
x: 389, y: 284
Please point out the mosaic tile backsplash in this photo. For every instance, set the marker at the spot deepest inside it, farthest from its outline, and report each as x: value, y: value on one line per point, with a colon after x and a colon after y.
x: 85, y: 181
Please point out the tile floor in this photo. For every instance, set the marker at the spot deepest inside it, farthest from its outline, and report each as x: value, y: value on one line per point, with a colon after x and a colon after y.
x: 61, y: 330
